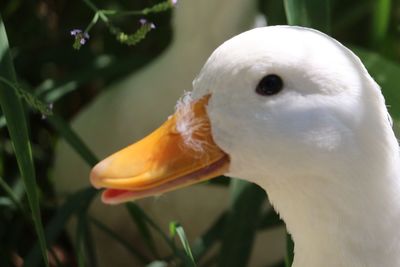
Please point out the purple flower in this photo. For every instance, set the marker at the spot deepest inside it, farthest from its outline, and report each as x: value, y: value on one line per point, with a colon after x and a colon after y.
x: 81, y: 37
x: 75, y: 32
x: 174, y: 2
x: 145, y: 22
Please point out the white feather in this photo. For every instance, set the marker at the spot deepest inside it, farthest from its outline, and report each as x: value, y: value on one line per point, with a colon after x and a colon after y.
x: 322, y: 148
x: 189, y: 126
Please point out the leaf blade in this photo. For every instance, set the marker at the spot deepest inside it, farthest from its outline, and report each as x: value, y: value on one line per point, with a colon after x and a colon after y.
x: 309, y: 13
x: 177, y: 229
x: 240, y: 231
x: 17, y: 126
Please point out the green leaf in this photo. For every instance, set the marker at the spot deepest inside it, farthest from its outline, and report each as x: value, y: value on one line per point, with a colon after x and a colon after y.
x: 178, y: 253
x: 270, y: 220
x: 57, y: 223
x: 90, y: 245
x: 309, y: 13
x: 177, y: 229
x: 241, y: 226
x: 209, y: 238
x: 380, y: 20
x: 84, y: 244
x: 13, y: 110
x: 80, y: 241
x: 289, y: 251
x: 274, y: 11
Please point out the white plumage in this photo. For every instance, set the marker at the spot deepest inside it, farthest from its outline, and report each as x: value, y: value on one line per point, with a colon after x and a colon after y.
x: 323, y: 148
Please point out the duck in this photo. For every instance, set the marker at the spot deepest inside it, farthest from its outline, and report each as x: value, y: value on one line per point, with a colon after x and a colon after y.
x: 133, y: 107
x: 296, y: 112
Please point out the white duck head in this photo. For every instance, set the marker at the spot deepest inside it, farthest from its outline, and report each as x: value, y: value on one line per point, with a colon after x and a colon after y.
x: 295, y: 112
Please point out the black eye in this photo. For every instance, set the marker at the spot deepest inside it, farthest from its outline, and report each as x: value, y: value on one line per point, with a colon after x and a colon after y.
x: 270, y: 85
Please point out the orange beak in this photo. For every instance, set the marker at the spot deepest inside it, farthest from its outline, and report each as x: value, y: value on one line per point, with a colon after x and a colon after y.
x: 179, y: 153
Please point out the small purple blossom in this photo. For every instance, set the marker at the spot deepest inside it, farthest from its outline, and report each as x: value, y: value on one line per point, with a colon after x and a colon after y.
x: 75, y: 32
x: 145, y: 22
x: 81, y: 37
x: 174, y: 2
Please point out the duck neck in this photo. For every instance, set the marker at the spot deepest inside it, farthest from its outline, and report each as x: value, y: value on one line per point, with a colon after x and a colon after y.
x: 349, y: 215
x: 357, y: 228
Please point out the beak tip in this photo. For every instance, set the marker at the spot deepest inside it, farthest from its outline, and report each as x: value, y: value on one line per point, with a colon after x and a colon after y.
x: 96, y: 175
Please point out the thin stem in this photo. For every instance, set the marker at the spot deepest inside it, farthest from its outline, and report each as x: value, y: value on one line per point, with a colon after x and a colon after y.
x: 91, y: 5
x: 122, y: 13
x: 98, y: 14
x: 119, y: 239
x: 93, y: 22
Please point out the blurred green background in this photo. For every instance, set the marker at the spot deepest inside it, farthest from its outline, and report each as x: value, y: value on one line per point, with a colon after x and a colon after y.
x: 50, y: 70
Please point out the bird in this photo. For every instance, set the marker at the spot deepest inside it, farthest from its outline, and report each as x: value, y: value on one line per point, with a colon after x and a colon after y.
x: 135, y: 106
x: 296, y: 112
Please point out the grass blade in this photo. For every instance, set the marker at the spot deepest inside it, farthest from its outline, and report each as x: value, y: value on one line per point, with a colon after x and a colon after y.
x: 177, y: 253
x: 289, y: 251
x: 274, y: 11
x: 80, y: 240
x: 90, y: 245
x: 270, y: 219
x: 177, y: 229
x: 206, y: 241
x: 57, y: 223
x: 380, y: 20
x: 17, y: 126
x: 241, y: 225
x: 309, y: 13
x: 84, y: 246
